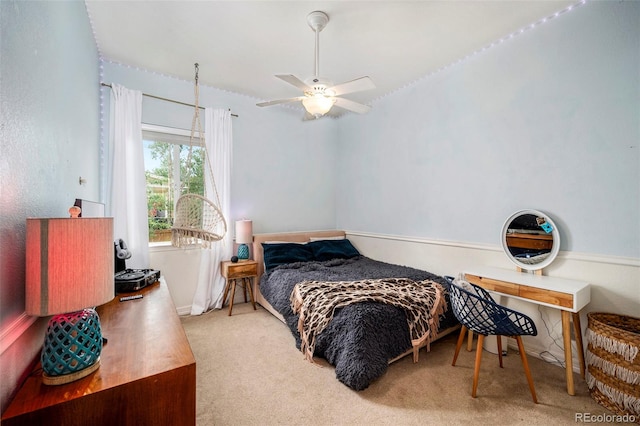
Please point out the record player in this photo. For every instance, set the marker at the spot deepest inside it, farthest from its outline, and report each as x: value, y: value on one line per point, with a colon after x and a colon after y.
x: 128, y: 280
x: 135, y: 279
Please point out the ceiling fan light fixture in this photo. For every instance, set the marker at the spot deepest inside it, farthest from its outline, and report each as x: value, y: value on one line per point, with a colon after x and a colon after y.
x: 318, y: 105
x: 320, y: 94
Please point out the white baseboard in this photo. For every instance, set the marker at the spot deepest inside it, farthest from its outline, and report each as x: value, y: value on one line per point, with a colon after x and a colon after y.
x: 184, y: 310
x: 553, y: 356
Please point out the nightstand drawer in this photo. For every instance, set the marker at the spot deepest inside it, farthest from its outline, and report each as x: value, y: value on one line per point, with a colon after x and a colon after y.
x: 240, y: 269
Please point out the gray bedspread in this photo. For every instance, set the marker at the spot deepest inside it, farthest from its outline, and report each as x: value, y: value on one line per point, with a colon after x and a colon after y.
x: 362, y: 338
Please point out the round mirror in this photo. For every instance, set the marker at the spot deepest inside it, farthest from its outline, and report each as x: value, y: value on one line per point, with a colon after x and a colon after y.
x: 530, y: 239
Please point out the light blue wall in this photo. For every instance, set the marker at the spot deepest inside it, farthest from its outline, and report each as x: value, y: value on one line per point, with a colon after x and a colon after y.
x: 50, y: 119
x: 549, y: 120
x: 283, y: 174
x: 50, y: 137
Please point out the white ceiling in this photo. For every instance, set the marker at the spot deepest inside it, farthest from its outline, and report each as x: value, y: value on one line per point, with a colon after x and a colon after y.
x: 241, y: 45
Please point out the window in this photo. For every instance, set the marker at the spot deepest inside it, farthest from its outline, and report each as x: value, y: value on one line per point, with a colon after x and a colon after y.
x: 171, y: 169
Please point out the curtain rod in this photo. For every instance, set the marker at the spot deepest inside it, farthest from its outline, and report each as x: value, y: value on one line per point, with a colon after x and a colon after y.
x: 166, y: 99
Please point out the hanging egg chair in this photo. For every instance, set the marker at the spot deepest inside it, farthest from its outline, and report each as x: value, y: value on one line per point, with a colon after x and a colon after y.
x: 197, y: 219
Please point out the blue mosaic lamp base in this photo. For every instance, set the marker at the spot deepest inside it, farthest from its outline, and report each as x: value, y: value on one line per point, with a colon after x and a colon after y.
x: 243, y: 252
x: 72, y: 347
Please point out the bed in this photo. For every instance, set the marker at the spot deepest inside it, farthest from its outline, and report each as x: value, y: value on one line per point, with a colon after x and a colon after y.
x: 361, y: 339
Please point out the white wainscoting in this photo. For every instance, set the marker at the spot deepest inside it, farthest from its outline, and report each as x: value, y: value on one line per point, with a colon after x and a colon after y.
x: 615, y: 281
x: 180, y: 267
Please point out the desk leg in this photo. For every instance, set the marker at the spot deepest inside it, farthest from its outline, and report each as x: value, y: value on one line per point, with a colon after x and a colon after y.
x: 568, y: 360
x: 578, y: 332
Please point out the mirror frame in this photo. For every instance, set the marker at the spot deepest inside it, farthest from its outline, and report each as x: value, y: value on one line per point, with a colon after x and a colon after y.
x: 555, y: 248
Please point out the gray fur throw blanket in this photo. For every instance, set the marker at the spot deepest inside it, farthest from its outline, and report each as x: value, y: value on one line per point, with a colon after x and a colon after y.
x: 316, y: 301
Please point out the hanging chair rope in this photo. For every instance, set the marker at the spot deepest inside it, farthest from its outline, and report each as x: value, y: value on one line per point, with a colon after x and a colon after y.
x: 197, y: 220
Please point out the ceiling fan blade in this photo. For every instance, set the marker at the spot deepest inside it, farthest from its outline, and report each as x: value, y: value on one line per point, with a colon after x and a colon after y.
x: 357, y: 85
x: 352, y: 106
x: 280, y: 101
x: 295, y: 81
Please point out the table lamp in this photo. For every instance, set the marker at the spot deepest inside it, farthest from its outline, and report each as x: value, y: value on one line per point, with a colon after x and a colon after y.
x: 244, y: 236
x: 69, y: 271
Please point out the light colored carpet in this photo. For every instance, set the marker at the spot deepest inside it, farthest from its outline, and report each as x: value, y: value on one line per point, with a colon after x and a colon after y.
x: 249, y: 372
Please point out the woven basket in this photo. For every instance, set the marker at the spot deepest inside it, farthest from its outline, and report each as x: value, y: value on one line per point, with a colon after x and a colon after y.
x: 613, y: 362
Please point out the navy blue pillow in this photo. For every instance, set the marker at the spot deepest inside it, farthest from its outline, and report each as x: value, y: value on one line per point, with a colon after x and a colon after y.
x: 333, y: 249
x: 281, y: 253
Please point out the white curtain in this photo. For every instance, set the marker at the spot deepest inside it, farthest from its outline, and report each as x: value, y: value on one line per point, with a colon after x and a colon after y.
x: 218, y: 139
x: 128, y: 194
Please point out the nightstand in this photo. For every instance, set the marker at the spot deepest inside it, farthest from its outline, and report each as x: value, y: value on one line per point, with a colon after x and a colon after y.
x: 243, y: 271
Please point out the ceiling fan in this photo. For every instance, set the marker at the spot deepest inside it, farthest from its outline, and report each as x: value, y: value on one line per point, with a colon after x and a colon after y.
x: 320, y: 95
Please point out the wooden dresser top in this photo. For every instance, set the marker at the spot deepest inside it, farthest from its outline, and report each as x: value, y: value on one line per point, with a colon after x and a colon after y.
x: 145, y: 339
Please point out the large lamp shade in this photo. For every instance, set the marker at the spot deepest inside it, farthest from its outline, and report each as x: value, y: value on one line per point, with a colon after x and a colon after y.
x: 70, y: 264
x: 69, y: 271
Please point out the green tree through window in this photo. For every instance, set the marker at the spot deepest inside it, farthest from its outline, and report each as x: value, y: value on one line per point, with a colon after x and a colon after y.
x: 164, y: 183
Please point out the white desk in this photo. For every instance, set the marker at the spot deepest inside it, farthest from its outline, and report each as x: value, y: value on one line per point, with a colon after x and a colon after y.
x: 567, y: 295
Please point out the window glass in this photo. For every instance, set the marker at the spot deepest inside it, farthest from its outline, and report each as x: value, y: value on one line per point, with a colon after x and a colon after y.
x: 172, y: 167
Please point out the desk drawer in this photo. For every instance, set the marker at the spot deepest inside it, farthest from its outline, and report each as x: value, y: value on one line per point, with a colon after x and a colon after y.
x: 551, y: 297
x: 547, y: 296
x: 494, y: 285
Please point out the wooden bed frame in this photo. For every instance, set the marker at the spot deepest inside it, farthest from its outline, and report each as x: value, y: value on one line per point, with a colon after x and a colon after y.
x: 304, y: 237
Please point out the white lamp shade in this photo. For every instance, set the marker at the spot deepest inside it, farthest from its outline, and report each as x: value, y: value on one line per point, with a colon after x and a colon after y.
x: 69, y: 264
x: 244, y: 231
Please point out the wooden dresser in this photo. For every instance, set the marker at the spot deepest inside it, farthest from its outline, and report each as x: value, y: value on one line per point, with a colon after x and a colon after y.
x: 147, y: 373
